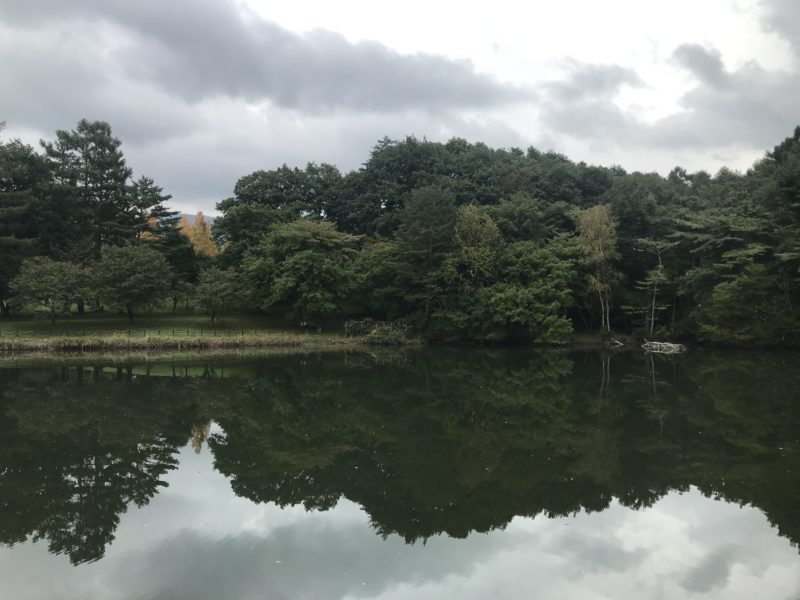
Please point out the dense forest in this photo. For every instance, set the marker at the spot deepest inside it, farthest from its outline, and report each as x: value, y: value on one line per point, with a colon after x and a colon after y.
x: 456, y: 241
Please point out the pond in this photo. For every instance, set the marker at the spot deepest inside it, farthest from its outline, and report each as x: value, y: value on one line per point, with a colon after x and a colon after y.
x: 437, y: 473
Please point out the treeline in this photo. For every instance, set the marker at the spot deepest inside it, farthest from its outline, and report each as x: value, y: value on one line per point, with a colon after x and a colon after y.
x: 456, y: 240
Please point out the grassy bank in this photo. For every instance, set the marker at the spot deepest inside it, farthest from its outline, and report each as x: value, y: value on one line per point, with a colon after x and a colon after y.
x: 160, y: 332
x: 145, y: 342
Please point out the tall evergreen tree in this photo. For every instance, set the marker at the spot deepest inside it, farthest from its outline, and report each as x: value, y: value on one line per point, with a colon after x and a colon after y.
x: 87, y: 166
x: 149, y: 215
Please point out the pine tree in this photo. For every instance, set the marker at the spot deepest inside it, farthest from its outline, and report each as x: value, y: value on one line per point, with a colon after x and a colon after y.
x: 88, y: 167
x: 150, y: 218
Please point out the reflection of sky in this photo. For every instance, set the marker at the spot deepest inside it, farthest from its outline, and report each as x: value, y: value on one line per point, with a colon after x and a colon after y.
x: 197, y: 540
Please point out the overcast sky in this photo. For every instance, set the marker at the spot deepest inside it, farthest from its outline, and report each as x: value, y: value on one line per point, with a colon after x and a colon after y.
x: 202, y: 92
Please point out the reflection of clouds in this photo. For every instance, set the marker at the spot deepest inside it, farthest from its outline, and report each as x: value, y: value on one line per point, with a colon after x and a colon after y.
x: 710, y: 572
x: 198, y: 540
x: 664, y: 538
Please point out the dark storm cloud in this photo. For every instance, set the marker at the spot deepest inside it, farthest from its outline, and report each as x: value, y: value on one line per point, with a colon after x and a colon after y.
x: 205, y: 48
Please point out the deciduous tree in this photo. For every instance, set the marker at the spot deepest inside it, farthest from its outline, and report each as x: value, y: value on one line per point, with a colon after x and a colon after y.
x: 215, y: 290
x: 129, y: 277
x: 597, y: 241
x: 49, y: 283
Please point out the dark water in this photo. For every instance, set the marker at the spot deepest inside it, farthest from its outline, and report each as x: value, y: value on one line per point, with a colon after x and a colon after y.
x: 438, y: 474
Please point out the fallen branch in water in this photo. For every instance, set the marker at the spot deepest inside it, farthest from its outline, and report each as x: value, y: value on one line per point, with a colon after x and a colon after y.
x: 663, y: 347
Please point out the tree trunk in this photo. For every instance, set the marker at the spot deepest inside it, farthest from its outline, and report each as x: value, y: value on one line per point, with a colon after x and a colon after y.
x: 653, y: 309
x: 174, y: 305
x: 602, y: 309
x: 81, y: 307
x: 129, y: 309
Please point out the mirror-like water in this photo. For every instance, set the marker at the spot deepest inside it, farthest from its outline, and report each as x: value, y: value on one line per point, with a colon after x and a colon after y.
x: 437, y: 474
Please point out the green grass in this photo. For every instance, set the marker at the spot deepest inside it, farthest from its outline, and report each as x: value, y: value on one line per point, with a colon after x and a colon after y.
x: 164, y: 332
x: 158, y: 331
x: 124, y: 342
x: 109, y: 323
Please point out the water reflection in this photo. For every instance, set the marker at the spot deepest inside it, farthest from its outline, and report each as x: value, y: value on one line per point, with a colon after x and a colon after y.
x: 440, y: 442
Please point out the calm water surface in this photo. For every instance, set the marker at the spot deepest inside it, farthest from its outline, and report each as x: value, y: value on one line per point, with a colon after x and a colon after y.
x: 436, y: 474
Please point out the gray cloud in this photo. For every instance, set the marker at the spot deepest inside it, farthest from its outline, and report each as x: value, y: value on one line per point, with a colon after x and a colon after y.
x: 589, y: 81
x: 712, y: 571
x: 582, y: 104
x: 747, y: 107
x: 783, y: 18
x: 200, y: 49
x: 704, y: 63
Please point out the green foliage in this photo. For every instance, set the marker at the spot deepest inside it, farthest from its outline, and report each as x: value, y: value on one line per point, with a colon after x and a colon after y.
x: 89, y: 171
x: 150, y: 218
x: 130, y: 277
x: 473, y: 261
x: 424, y: 237
x: 535, y: 290
x: 750, y: 307
x: 215, y: 290
x: 305, y: 265
x: 19, y: 173
x: 597, y: 242
x: 50, y: 283
x: 521, y: 217
x: 265, y: 198
x: 458, y: 239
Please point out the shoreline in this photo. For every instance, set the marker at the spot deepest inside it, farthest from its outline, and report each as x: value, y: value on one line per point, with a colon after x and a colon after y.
x: 124, y: 343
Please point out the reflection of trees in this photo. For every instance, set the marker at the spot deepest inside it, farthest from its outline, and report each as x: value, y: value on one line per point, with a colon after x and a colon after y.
x: 445, y: 441
x: 466, y: 440
x: 75, y: 454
